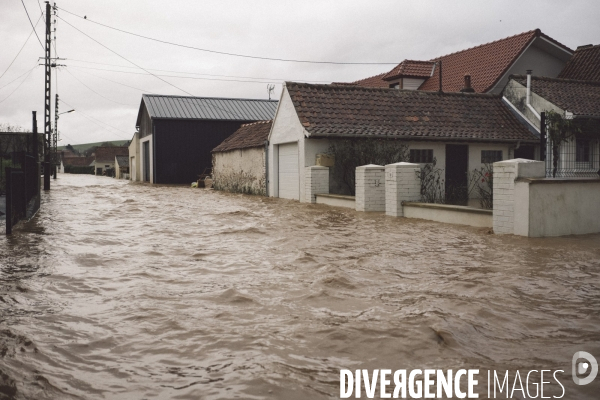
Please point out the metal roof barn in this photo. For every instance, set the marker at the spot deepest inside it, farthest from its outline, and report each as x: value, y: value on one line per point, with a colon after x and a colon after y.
x: 177, y: 133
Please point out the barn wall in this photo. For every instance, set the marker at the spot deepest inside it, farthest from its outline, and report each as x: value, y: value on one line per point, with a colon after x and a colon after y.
x: 183, y: 147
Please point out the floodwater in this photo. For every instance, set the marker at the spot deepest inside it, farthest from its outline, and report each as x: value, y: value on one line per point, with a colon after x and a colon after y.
x: 119, y: 290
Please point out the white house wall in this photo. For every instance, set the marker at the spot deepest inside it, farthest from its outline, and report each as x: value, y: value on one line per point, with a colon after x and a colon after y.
x: 286, y: 129
x: 541, y: 62
x: 412, y: 83
x: 134, y: 158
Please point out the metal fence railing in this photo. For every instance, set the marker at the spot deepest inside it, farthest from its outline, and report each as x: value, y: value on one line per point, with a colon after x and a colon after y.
x: 575, y: 158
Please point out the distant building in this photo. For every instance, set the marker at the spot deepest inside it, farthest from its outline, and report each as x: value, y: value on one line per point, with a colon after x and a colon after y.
x: 239, y: 163
x: 122, y: 167
x: 134, y: 158
x: 177, y: 133
x: 105, y: 157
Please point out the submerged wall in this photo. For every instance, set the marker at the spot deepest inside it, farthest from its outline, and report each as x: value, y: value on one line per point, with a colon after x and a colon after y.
x: 240, y: 171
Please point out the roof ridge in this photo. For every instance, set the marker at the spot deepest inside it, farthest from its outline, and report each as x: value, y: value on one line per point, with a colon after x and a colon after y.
x: 204, y: 98
x: 258, y: 122
x: 536, y: 31
x: 391, y: 90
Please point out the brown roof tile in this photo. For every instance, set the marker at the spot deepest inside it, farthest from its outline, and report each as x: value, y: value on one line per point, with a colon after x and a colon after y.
x: 249, y: 135
x: 486, y: 64
x: 578, y: 97
x: 411, y: 68
x: 78, y: 161
x: 585, y: 64
x: 340, y: 111
x: 373, y: 81
x: 108, y: 153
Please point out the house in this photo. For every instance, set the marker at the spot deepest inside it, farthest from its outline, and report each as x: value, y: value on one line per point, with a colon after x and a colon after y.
x: 134, y: 158
x: 462, y: 131
x: 488, y: 65
x: 239, y: 163
x: 105, y: 157
x: 573, y: 99
x: 69, y: 164
x: 122, y: 167
x: 177, y: 133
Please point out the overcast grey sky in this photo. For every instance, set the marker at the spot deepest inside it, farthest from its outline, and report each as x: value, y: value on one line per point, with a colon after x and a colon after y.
x: 321, y: 30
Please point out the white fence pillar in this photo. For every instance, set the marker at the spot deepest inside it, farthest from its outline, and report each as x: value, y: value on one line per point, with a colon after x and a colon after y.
x: 316, y: 180
x: 505, y: 174
x: 370, y: 188
x: 401, y: 184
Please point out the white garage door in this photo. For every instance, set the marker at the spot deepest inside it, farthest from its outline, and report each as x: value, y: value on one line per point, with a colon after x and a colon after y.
x: 288, y: 171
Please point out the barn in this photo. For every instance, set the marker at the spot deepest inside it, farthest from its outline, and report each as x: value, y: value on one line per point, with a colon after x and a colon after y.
x: 178, y: 133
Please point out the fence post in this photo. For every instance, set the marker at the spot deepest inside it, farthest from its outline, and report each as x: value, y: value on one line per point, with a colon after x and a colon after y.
x: 401, y: 184
x: 370, y: 188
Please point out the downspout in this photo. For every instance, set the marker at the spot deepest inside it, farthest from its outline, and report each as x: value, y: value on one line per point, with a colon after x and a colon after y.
x: 528, y: 97
x: 266, y: 168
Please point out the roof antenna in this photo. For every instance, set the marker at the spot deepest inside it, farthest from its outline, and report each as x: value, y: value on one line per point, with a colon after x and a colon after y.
x: 270, y: 89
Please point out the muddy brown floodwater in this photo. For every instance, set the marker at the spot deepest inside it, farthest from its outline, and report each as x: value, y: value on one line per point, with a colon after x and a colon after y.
x: 119, y: 290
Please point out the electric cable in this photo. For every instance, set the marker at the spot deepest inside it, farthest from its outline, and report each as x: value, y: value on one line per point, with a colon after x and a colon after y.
x: 226, y: 53
x: 22, y: 47
x: 27, y: 12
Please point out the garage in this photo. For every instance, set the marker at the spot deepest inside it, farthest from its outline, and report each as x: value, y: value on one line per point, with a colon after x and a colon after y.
x: 288, y: 171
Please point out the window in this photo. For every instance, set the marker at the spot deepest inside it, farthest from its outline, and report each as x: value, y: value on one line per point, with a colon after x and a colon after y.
x: 420, y: 156
x: 491, y: 156
x: 582, y: 150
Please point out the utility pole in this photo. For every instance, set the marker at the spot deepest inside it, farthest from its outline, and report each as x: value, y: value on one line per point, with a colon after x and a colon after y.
x: 54, y: 137
x: 47, y: 101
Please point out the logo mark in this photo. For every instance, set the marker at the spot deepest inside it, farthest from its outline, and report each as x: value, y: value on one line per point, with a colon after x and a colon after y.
x: 579, y: 368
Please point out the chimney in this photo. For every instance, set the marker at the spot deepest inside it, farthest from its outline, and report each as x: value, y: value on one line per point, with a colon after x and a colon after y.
x: 528, y: 98
x: 467, y: 88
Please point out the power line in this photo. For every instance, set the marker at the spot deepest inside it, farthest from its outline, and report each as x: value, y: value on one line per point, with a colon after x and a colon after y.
x: 225, y: 53
x: 17, y: 88
x: 95, y: 120
x: 22, y: 47
x: 118, y: 83
x: 143, y: 69
x: 192, y: 73
x: 93, y: 91
x: 179, y: 76
x: 18, y: 77
x: 27, y: 12
x: 129, y: 61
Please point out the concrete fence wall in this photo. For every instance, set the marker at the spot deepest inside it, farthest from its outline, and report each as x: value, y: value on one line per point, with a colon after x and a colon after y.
x: 316, y: 180
x: 528, y: 204
x: 370, y: 188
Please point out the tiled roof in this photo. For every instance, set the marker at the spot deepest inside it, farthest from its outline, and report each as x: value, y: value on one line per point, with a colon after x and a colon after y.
x: 249, y: 135
x: 486, y: 63
x: 585, y: 64
x: 340, y: 111
x: 411, y: 68
x: 578, y: 97
x: 78, y: 161
x: 373, y: 81
x: 123, y: 161
x: 208, y: 108
x: 108, y: 154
